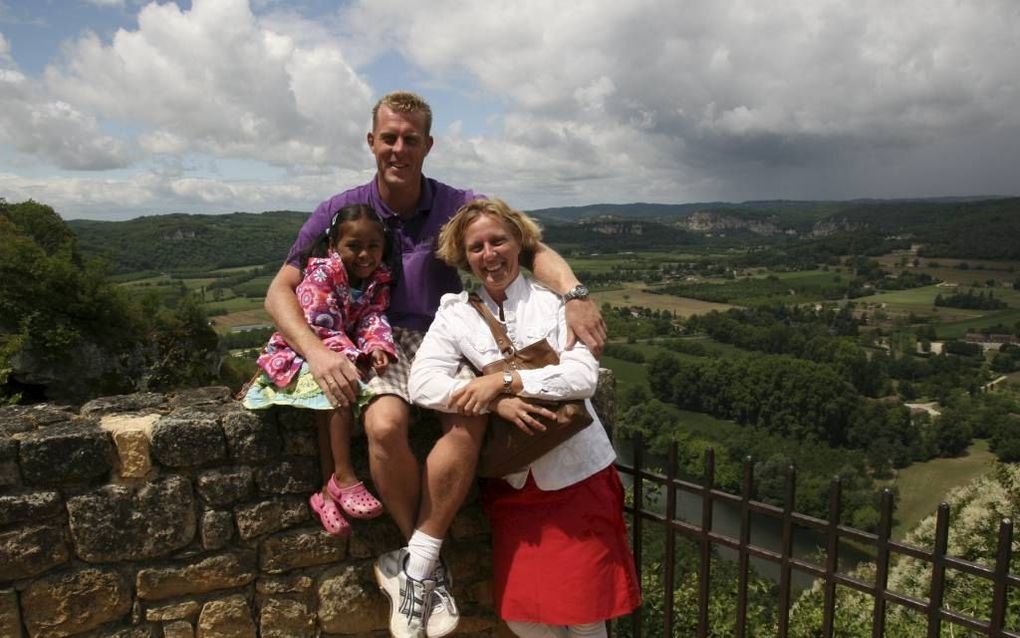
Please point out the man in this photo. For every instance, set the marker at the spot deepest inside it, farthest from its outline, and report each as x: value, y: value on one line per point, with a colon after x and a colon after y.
x: 414, y: 208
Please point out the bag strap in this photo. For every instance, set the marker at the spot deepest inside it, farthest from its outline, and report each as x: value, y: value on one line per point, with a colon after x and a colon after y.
x: 498, y: 331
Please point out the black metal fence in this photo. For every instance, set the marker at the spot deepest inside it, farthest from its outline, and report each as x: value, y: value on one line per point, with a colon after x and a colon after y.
x: 827, y: 568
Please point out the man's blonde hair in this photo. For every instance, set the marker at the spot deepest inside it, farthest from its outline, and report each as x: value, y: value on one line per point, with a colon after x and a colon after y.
x: 404, y: 102
x: 451, y: 238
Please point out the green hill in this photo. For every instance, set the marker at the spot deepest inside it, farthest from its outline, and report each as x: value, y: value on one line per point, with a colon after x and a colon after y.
x: 189, y: 242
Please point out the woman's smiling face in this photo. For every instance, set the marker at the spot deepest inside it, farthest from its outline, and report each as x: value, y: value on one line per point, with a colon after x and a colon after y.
x: 493, y: 254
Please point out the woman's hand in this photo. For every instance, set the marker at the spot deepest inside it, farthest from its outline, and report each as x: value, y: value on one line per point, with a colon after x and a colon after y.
x: 523, y: 414
x: 476, y: 396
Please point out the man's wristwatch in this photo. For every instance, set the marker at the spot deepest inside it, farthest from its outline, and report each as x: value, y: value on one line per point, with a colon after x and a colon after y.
x: 508, y: 379
x: 580, y: 291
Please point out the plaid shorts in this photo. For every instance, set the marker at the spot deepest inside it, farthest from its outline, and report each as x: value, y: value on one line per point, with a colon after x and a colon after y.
x: 394, y: 378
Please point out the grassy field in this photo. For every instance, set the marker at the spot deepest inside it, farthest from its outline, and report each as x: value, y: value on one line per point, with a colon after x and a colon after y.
x: 633, y: 294
x: 922, y: 486
x: 255, y: 317
x: 978, y: 270
x: 957, y: 329
x: 236, y: 304
x: 952, y: 322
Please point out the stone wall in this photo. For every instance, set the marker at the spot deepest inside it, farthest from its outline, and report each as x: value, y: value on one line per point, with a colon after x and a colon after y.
x: 186, y: 515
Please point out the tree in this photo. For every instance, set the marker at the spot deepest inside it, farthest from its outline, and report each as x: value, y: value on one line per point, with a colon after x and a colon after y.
x: 952, y: 434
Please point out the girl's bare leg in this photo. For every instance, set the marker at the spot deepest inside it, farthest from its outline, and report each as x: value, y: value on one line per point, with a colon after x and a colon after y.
x: 341, y: 423
x: 321, y: 420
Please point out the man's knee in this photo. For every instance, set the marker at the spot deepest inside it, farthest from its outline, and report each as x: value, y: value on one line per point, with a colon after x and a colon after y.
x: 386, y: 423
x: 466, y: 431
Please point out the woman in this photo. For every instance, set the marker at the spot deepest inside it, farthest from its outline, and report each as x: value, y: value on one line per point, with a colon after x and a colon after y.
x: 561, y: 564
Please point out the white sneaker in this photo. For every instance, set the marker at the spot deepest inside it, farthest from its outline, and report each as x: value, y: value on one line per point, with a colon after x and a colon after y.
x: 410, y: 616
x: 444, y: 616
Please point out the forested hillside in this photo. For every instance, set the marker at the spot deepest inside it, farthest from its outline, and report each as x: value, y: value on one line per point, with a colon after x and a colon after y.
x: 67, y: 334
x: 190, y: 242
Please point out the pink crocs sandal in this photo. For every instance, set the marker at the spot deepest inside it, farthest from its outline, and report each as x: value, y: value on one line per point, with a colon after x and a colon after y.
x: 356, y: 500
x: 332, y: 521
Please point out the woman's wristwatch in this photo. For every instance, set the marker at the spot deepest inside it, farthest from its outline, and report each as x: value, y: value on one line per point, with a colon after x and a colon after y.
x: 580, y: 291
x: 508, y: 380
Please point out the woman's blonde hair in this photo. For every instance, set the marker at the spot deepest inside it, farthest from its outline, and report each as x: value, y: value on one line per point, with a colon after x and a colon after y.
x: 451, y: 237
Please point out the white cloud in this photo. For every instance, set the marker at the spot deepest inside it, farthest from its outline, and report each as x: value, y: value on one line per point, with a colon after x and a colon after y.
x: 701, y: 92
x: 165, y: 192
x: 217, y: 79
x: 545, y: 104
x: 51, y: 129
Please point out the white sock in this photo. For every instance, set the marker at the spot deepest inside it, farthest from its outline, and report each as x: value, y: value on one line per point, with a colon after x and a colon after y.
x: 423, y: 556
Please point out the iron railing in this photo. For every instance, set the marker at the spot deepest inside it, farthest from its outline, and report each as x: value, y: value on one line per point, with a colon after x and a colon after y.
x: 827, y: 568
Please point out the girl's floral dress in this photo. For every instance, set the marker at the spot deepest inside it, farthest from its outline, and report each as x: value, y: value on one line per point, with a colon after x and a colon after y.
x: 348, y: 321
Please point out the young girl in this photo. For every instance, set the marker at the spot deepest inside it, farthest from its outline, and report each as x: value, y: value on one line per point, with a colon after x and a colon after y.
x: 344, y: 292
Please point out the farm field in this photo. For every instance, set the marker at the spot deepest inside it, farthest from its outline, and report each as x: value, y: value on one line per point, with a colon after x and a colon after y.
x: 634, y: 294
x: 233, y: 320
x: 922, y: 486
x: 234, y: 305
x: 953, y: 322
x: 957, y: 329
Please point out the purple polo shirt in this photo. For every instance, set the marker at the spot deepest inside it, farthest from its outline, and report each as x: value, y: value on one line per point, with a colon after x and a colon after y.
x: 425, y: 278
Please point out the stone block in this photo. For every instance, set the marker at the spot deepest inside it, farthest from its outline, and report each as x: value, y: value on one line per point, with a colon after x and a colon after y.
x: 10, y: 475
x: 229, y: 617
x: 22, y: 418
x: 131, y: 437
x: 182, y: 610
x: 286, y: 618
x: 31, y: 550
x: 217, y: 529
x: 374, y: 537
x: 270, y: 516
x: 119, y: 522
x: 251, y: 437
x: 222, y: 571
x: 137, y: 402
x: 74, y: 602
x: 227, y: 485
x: 10, y: 616
x: 288, y: 477
x: 178, y: 629
x: 119, y: 631
x: 299, y: 435
x: 470, y: 522
x: 349, y: 602
x: 304, y: 547
x: 200, y: 397
x: 68, y: 453
x: 188, y: 439
x: 470, y: 562
x: 29, y: 506
x: 604, y: 400
x: 290, y: 584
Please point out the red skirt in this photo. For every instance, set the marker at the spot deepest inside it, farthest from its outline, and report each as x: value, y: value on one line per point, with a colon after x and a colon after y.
x: 561, y: 557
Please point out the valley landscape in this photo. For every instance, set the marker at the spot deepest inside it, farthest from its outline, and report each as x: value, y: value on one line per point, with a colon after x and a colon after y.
x: 878, y: 341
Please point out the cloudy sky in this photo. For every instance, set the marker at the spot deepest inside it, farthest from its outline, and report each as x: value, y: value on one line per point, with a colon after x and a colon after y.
x: 110, y: 109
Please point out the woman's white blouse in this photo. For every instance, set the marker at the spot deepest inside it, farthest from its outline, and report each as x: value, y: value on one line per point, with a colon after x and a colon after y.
x: 531, y: 312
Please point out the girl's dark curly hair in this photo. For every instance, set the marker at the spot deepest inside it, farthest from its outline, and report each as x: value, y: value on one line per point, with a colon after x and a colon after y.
x: 353, y: 212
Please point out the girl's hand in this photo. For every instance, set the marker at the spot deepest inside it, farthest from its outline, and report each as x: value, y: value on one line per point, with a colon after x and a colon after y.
x: 476, y: 396
x: 380, y: 360
x: 523, y: 414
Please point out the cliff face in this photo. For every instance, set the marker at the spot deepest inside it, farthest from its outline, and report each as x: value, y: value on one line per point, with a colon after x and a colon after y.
x: 710, y: 222
x: 149, y: 515
x: 827, y: 227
